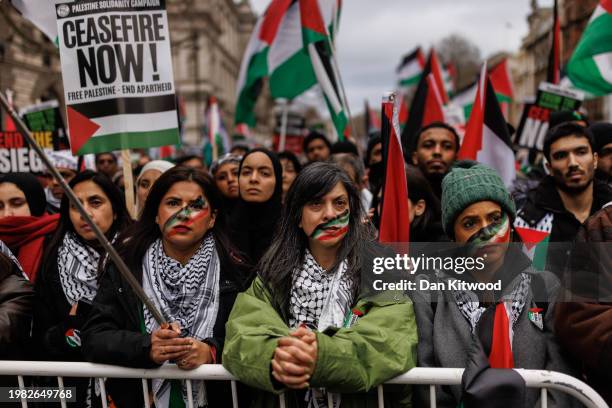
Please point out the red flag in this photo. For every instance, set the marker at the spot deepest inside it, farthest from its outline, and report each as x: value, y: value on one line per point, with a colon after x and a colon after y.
x: 553, y: 74
x: 436, y: 70
x: 433, y: 103
x: 501, y: 349
x: 501, y: 81
x: 394, y: 221
x: 9, y: 125
x: 487, y: 138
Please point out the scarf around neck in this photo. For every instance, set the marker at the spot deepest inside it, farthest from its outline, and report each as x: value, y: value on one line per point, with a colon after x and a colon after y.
x: 187, y: 294
x: 78, y: 269
x: 26, y: 236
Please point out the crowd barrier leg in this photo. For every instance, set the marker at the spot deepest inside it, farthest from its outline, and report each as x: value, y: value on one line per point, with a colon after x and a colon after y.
x: 24, y: 402
x: 102, y: 386
x: 432, y: 396
x: 234, y: 395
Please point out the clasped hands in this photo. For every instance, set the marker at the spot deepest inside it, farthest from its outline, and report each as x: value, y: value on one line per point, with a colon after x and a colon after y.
x: 295, y: 358
x: 187, y: 352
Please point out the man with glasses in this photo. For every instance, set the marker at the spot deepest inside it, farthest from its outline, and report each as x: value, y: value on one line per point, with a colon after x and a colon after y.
x: 106, y: 163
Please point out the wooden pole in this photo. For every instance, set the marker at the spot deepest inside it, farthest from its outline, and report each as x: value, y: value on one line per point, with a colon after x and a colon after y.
x: 128, y: 181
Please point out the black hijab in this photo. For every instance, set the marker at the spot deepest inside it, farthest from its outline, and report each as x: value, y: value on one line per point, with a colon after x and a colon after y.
x: 252, y: 225
x: 33, y: 191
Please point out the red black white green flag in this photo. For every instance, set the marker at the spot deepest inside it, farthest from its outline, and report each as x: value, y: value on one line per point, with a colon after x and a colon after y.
x: 410, y: 69
x: 372, y: 120
x: 394, y: 220
x: 318, y: 45
x: 590, y: 67
x: 426, y: 107
x: 487, y: 139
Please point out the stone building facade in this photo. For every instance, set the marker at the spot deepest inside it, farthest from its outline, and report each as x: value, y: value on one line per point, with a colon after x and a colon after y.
x: 529, y: 64
x: 208, y: 40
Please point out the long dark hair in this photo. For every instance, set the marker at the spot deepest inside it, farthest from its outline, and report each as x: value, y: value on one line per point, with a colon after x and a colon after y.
x: 122, y: 218
x: 134, y: 242
x: 287, y: 250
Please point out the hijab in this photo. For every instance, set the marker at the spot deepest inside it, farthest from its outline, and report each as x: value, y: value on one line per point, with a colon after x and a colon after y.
x: 253, y: 224
x: 33, y: 191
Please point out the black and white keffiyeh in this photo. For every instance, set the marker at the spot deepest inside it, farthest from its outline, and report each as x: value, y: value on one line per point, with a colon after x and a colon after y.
x: 6, y: 251
x: 319, y: 300
x: 469, y: 305
x: 77, y: 267
x: 186, y: 294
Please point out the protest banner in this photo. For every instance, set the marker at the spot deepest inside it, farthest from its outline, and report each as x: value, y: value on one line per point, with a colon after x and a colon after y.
x: 534, y: 121
x: 16, y: 154
x: 46, y: 117
x: 117, y: 73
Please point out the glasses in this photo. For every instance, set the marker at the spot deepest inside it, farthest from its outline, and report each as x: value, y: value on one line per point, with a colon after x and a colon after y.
x: 103, y: 161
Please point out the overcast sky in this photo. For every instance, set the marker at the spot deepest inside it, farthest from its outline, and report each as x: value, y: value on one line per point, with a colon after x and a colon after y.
x: 374, y: 35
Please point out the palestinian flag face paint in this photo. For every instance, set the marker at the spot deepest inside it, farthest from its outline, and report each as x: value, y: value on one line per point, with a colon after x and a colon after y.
x: 495, y: 233
x: 334, y: 228
x: 187, y: 216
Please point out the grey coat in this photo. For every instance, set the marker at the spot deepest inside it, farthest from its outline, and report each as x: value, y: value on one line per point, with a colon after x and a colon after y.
x: 445, y: 336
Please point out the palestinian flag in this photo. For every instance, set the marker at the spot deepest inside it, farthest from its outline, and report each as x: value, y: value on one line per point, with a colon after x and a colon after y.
x: 436, y: 70
x: 590, y: 67
x: 254, y: 65
x: 535, y: 238
x: 41, y: 14
x: 216, y: 136
x: 372, y: 120
x: 122, y: 123
x: 426, y: 108
x: 394, y: 221
x: 319, y: 47
x: 410, y: 69
x: 502, y: 84
x: 487, y: 139
x: 553, y: 74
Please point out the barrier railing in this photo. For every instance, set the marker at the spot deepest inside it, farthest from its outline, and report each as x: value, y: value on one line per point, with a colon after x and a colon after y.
x: 545, y: 380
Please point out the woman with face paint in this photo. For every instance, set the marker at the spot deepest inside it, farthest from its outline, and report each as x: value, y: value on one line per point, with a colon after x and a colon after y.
x: 510, y: 326
x: 306, y: 325
x: 68, y: 280
x: 185, y: 265
x: 255, y: 215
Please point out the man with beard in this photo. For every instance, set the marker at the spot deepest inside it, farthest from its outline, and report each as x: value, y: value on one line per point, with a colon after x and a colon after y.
x: 435, y: 151
x: 316, y: 147
x: 567, y: 197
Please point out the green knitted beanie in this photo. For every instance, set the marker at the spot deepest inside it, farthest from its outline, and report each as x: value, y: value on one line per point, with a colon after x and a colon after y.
x: 469, y: 182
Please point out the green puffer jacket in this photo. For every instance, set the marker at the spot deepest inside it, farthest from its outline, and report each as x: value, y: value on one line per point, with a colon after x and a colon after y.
x: 379, y: 346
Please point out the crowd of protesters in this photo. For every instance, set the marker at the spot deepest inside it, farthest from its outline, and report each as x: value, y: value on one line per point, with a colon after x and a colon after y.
x: 257, y: 263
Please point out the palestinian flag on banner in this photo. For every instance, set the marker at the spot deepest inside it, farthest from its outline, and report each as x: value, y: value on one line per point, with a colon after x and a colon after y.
x: 255, y: 61
x: 487, y: 139
x: 41, y: 13
x: 410, y: 69
x: 319, y: 47
x: 426, y: 108
x: 535, y: 238
x: 122, y: 123
x: 372, y: 120
x: 590, y: 67
x: 553, y: 73
x: 394, y: 220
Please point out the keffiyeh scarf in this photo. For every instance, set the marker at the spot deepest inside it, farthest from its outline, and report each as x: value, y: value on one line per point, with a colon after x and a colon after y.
x: 77, y: 267
x: 319, y: 300
x: 186, y: 294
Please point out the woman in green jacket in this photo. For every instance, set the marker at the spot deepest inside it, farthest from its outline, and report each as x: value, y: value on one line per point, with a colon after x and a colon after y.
x: 304, y: 327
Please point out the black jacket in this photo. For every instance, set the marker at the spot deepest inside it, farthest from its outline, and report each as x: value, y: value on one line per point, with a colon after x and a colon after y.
x: 545, y: 199
x: 16, y: 299
x: 112, y: 334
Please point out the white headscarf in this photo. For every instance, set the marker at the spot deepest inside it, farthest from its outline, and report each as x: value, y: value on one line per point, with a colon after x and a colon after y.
x: 160, y: 165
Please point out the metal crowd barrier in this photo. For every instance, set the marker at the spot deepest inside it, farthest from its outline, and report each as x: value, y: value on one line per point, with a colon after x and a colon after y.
x: 542, y: 379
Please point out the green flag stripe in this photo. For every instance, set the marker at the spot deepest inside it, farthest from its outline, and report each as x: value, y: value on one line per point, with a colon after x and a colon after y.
x: 130, y: 140
x: 294, y: 77
x: 258, y: 68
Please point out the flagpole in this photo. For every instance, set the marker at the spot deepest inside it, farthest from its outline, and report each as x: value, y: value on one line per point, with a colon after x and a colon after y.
x: 121, y: 266
x: 337, y: 73
x: 283, y: 130
x: 128, y: 182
